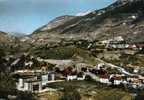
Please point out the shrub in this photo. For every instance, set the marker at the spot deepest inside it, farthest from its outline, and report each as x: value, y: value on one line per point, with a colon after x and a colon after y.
x: 88, y: 78
x: 25, y: 96
x: 70, y: 93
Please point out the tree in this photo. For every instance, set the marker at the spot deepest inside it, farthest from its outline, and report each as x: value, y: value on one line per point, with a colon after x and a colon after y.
x: 2, y: 53
x: 88, y: 78
x: 25, y: 96
x: 140, y: 96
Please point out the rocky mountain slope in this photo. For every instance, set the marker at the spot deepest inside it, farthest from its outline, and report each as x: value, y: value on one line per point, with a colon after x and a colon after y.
x: 55, y: 23
x: 122, y: 18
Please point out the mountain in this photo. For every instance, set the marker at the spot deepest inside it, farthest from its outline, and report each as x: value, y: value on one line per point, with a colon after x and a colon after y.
x: 122, y: 18
x: 17, y: 34
x: 55, y: 23
x: 74, y: 37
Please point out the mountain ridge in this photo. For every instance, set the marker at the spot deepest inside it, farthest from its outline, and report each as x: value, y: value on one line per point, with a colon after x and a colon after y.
x: 54, y: 23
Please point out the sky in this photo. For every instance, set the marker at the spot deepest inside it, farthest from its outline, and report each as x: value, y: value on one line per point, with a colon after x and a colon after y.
x: 25, y: 16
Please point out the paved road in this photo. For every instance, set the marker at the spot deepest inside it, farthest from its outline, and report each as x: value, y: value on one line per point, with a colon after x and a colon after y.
x: 122, y: 70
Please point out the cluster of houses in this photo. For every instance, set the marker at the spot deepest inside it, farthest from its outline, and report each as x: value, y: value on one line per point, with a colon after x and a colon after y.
x: 120, y: 43
x: 131, y: 80
x: 118, y: 79
x: 102, y: 75
x: 124, y: 45
x: 38, y: 80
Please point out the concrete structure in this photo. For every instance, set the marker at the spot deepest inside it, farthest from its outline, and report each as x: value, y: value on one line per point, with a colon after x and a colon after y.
x: 34, y: 82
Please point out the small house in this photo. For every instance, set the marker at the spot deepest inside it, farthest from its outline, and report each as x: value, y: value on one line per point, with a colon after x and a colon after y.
x: 132, y: 78
x: 104, y: 79
x: 136, y: 83
x: 71, y: 76
x: 117, y: 80
x: 132, y: 46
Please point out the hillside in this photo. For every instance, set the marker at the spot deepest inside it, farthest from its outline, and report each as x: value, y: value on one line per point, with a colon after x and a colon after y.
x: 70, y: 37
x: 119, y: 19
x: 123, y: 18
x: 5, y: 38
x: 11, y: 44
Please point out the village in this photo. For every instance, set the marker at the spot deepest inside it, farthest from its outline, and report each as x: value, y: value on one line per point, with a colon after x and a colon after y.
x: 38, y: 80
x: 120, y: 43
x: 78, y: 50
x: 100, y: 64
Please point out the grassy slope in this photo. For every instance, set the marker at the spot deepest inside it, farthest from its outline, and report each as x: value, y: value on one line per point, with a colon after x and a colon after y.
x: 65, y: 52
x: 89, y: 90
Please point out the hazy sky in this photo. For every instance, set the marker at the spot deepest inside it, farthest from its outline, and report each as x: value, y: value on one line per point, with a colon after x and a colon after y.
x: 27, y: 15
